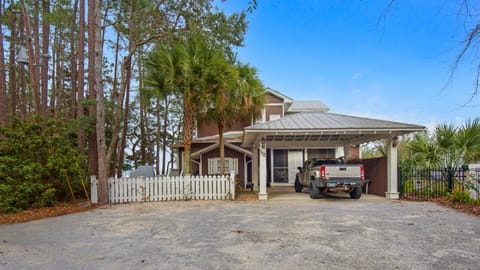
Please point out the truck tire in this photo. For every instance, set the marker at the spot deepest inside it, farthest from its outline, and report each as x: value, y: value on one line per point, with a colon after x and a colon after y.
x: 314, y: 191
x: 298, y: 186
x: 356, y: 193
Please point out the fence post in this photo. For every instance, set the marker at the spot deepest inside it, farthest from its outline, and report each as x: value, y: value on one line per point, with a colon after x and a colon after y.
x: 450, y: 179
x: 232, y: 185
x: 400, y: 178
x: 93, y: 189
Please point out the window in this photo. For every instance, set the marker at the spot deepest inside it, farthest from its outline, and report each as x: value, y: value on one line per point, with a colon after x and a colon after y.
x: 214, y: 165
x: 275, y: 117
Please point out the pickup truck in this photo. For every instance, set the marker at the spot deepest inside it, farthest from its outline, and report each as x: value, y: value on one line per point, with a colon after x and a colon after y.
x: 330, y: 175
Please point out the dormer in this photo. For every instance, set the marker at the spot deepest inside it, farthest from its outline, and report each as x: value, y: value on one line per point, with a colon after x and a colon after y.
x: 275, y: 106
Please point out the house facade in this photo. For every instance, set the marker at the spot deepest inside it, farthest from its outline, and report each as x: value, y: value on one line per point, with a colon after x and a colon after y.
x: 269, y: 151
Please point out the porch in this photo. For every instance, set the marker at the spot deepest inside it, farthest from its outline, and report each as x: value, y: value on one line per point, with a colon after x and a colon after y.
x: 322, y: 130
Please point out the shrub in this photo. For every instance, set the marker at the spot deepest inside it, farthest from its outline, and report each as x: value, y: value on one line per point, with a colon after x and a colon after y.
x: 17, y: 197
x: 37, y: 159
x: 460, y: 197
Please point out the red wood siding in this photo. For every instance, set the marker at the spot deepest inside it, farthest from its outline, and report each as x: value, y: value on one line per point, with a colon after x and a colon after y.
x: 273, y: 99
x: 274, y: 110
x: 376, y: 170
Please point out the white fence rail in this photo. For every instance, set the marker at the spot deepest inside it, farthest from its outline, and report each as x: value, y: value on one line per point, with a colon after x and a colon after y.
x: 169, y: 188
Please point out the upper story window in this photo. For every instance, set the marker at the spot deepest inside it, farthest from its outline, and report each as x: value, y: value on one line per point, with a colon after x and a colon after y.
x: 275, y: 116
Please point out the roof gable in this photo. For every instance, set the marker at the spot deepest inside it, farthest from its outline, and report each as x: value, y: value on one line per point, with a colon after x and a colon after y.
x: 285, y: 98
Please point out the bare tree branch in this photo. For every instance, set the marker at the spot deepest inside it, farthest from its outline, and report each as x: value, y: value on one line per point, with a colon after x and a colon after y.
x: 472, y: 37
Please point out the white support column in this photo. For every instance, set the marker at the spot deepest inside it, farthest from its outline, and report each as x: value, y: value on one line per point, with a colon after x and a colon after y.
x: 255, y: 168
x: 392, y: 177
x: 262, y: 194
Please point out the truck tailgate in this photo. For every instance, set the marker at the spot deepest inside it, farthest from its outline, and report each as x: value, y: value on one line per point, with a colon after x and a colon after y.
x: 343, y: 171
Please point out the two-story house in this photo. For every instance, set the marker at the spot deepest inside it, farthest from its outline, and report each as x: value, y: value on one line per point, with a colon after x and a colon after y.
x: 287, y: 133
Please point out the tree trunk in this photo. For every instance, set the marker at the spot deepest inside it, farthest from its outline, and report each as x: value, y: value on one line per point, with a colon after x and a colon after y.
x: 3, y: 83
x: 81, y: 73
x: 56, y: 64
x: 188, y: 125
x: 12, y: 72
x: 73, y: 64
x: 157, y: 139
x: 95, y: 37
x: 92, y: 136
x: 164, y: 135
x: 123, y: 144
x: 31, y: 61
x: 221, y: 146
x: 143, y: 139
x: 126, y: 71
x: 117, y: 99
x: 45, y: 49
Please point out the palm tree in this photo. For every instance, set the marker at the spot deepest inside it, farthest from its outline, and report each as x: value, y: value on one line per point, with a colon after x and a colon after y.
x: 238, y: 96
x: 191, y: 70
x: 252, y: 93
x: 448, y: 147
x: 223, y: 86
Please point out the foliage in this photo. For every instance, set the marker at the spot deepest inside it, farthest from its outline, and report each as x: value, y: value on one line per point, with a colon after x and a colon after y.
x: 39, y: 163
x: 460, y: 196
x: 448, y: 146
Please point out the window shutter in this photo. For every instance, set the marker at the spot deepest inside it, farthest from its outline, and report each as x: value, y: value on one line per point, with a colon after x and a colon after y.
x: 211, y: 165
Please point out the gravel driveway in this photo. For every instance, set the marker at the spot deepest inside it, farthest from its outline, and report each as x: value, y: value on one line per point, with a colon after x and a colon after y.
x: 369, y: 233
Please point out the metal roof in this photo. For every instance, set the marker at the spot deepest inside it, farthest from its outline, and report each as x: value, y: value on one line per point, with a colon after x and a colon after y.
x: 308, y: 106
x: 321, y: 128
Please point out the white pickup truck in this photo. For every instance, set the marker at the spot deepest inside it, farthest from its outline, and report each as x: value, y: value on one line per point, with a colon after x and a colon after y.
x: 330, y: 175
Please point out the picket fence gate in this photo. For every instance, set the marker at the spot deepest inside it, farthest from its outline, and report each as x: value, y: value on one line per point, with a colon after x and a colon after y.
x: 168, y: 188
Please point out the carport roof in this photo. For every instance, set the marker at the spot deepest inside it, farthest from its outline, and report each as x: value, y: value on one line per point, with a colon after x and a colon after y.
x: 326, y: 127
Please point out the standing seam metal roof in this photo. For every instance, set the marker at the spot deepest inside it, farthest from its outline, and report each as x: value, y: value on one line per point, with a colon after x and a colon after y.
x: 323, y: 120
x: 308, y: 106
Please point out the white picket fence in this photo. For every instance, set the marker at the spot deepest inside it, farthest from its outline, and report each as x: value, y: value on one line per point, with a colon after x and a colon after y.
x: 169, y: 188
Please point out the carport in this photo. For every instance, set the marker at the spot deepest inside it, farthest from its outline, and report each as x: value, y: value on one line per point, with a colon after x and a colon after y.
x: 321, y: 129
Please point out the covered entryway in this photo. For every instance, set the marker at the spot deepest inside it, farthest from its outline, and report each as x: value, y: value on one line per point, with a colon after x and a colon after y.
x: 304, y: 131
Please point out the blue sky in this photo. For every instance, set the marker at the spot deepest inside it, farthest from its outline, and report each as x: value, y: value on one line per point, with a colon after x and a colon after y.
x: 337, y: 52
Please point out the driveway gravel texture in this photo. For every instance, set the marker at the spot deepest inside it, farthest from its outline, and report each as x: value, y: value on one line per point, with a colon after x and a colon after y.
x: 329, y: 233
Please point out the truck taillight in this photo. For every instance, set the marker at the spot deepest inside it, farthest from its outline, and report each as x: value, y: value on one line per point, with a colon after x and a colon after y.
x: 362, y: 172
x: 322, y: 172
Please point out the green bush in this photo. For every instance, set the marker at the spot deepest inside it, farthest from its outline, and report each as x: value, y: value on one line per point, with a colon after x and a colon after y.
x: 461, y: 197
x: 14, y: 198
x: 38, y: 160
x: 408, y: 186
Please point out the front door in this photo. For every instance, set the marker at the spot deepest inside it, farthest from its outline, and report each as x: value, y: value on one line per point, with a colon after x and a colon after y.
x: 285, y: 163
x: 295, y: 160
x: 280, y: 166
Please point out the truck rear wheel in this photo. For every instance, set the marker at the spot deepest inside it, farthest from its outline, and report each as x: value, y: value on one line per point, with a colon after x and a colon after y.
x: 314, y: 191
x: 298, y: 186
x: 356, y: 193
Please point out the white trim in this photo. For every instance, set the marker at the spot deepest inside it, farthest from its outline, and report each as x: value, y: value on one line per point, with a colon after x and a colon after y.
x: 285, y: 99
x: 275, y: 116
x: 217, y: 145
x: 225, y: 134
